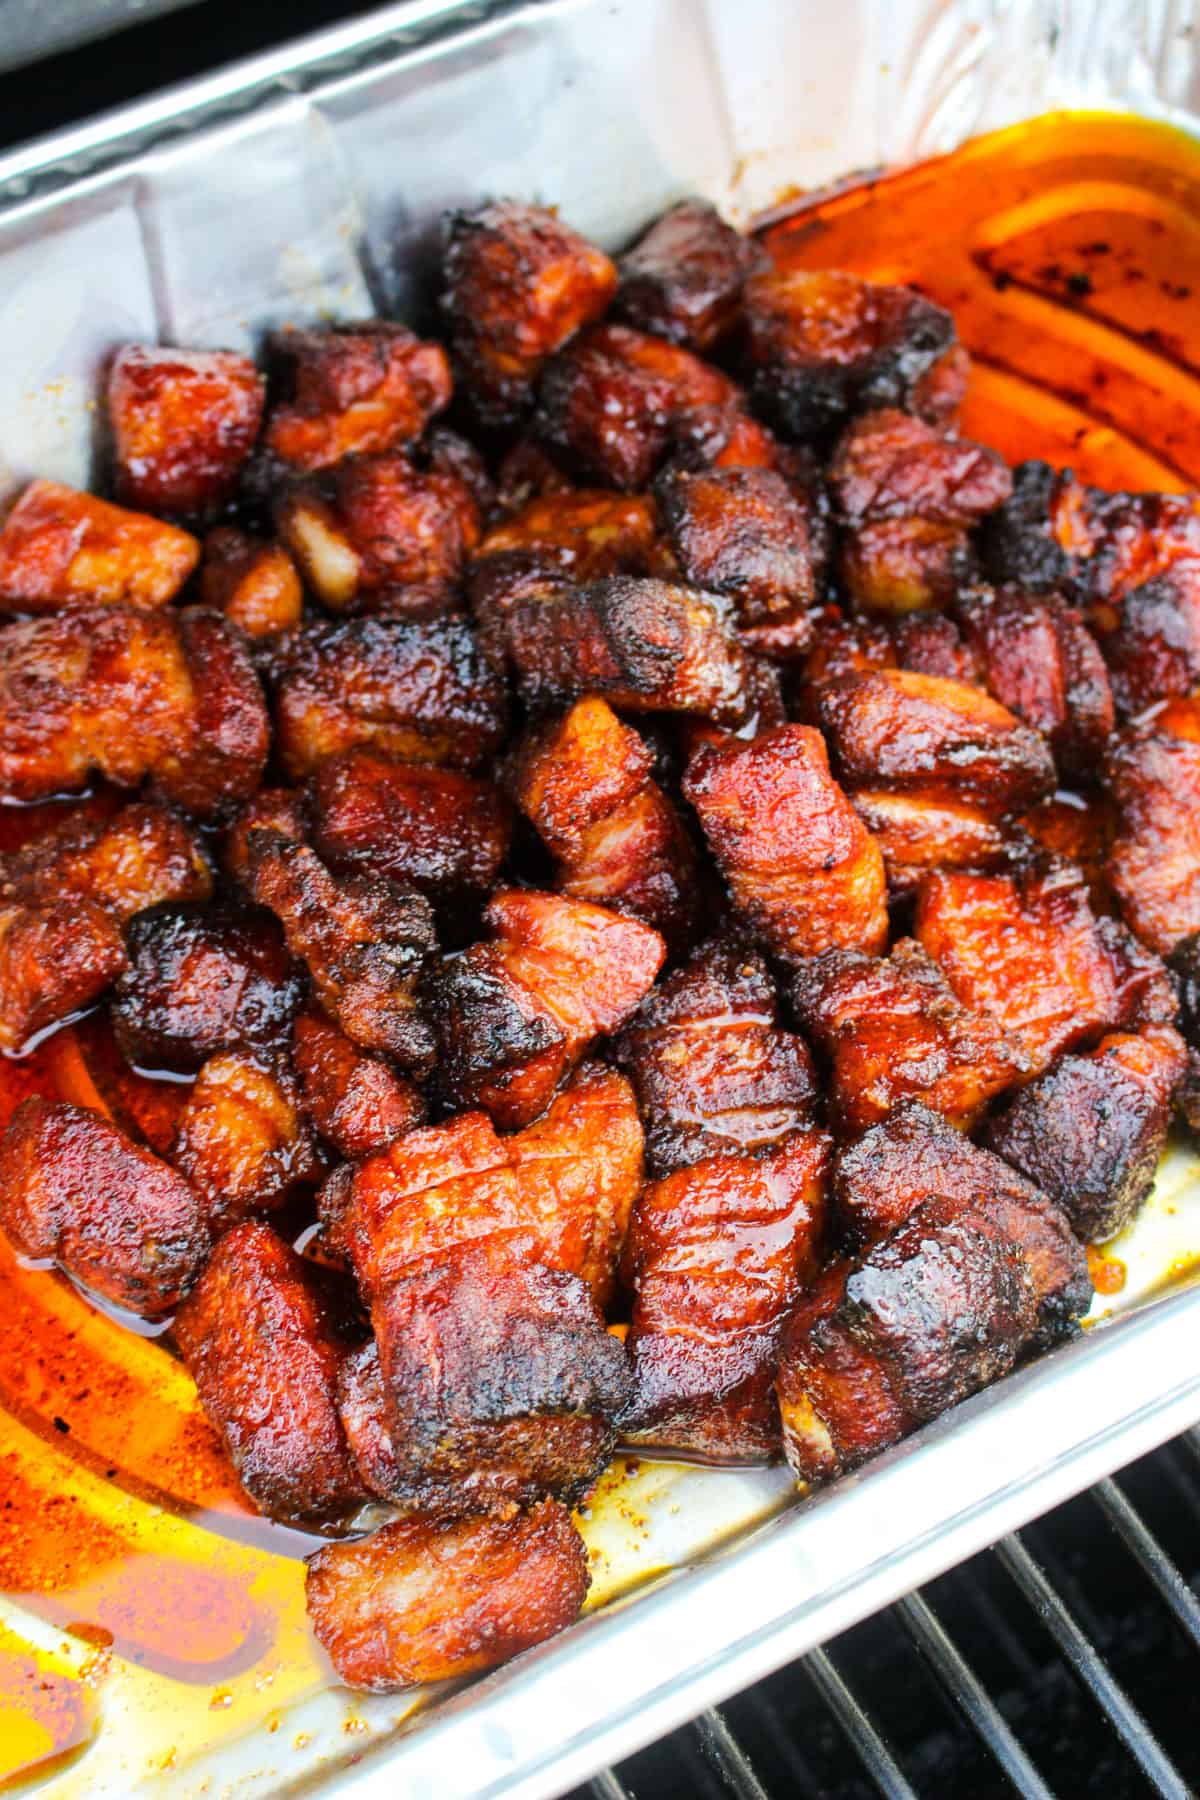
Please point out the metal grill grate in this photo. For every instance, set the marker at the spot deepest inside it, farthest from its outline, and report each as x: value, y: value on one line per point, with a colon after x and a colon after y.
x: 1061, y: 1662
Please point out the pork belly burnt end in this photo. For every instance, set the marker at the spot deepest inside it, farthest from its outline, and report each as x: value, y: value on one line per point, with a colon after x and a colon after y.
x: 56, y: 957
x: 1153, y: 865
x: 802, y: 868
x: 515, y: 1014
x: 352, y: 391
x: 683, y: 278
x: 243, y: 1141
x: 893, y: 1030
x: 183, y: 424
x: 63, y: 550
x: 586, y: 534
x: 252, y: 581
x: 75, y: 1189
x: 426, y: 1600
x: 260, y: 1345
x: 284, y: 811
x: 714, y: 1073
x: 140, y: 856
x: 358, y: 1103
x: 1185, y: 969
x: 716, y: 1255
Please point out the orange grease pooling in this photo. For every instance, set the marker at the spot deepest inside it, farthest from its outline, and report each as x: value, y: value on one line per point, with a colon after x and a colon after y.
x: 1108, y: 1273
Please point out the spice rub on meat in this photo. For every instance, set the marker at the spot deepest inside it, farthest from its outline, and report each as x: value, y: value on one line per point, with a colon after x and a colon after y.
x: 140, y: 855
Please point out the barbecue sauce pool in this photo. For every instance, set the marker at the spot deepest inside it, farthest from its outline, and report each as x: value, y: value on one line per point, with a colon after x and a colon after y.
x: 153, y: 1613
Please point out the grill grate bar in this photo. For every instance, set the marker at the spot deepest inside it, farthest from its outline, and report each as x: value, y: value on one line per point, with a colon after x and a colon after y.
x: 869, y: 1746
x: 1142, y: 1544
x: 609, y: 1786
x: 1090, y: 1668
x: 967, y: 1693
x: 727, y: 1756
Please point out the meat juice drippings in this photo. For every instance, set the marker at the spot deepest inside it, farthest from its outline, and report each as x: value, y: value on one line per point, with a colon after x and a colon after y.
x: 147, y: 1614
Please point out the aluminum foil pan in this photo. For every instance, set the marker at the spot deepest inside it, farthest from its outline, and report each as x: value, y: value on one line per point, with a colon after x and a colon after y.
x: 309, y: 183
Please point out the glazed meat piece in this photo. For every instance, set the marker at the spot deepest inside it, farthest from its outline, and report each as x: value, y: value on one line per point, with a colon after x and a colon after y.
x: 518, y: 284
x: 252, y: 581
x: 140, y: 856
x: 586, y: 534
x: 229, y: 733
x: 183, y: 424
x: 358, y: 1103
x: 423, y: 692
x: 822, y: 344
x: 1079, y: 829
x: 528, y: 472
x: 366, y: 942
x: 930, y: 643
x: 61, y: 550
x: 896, y: 566
x: 917, y: 835
x: 726, y: 436
x: 1153, y: 779
x: 202, y: 979
x: 515, y: 1014
x: 585, y: 783
x: 713, y: 1071
x: 1185, y: 970
x: 683, y: 278
x: 259, y: 1342
x: 75, y: 1189
x: 243, y: 1141
x: 426, y: 1600
x: 1027, y: 949
x: 844, y: 644
x: 1090, y: 1132
x: 716, y: 1255
x: 281, y: 810
x: 802, y: 868
x: 353, y: 390
x: 441, y: 832
x: 56, y: 958
x: 893, y: 1031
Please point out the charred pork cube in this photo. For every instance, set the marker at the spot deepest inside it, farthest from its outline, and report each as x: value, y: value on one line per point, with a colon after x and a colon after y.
x: 515, y: 1014
x: 183, y: 424
x: 893, y: 1031
x: 1153, y: 867
x: 445, y: 452
x: 202, y: 979
x: 896, y: 566
x: 845, y: 644
x: 140, y: 856
x: 725, y: 436
x: 1068, y: 825
x: 243, y: 1141
x: 748, y: 534
x: 822, y: 344
x: 1030, y: 542
x: 229, y: 732
x: 802, y: 868
x: 366, y: 943
x: 426, y: 1600
x: 714, y: 1073
x: 917, y: 835
x: 56, y: 957
x: 75, y: 1189
x: 362, y: 1408
x: 61, y: 550
x: 1090, y: 1132
x: 253, y: 582
x: 261, y: 1347
x: 528, y: 472
x: 441, y: 832
x: 612, y: 401
x: 281, y: 810
x: 585, y: 534
x: 1027, y: 949
x: 930, y: 643
x: 683, y: 278
x: 518, y: 284
x: 1185, y: 970
x: 358, y: 1103
x: 585, y: 783
x: 423, y: 692
x: 352, y: 391
x: 716, y: 1256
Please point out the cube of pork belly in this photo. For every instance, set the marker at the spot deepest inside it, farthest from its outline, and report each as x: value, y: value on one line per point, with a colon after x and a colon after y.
x: 822, y: 344
x: 748, y: 534
x: 894, y: 1031
x: 243, y: 1140
x: 1153, y: 779
x: 1079, y: 829
x: 526, y: 472
x: 1090, y: 1132
x: 252, y: 581
x: 725, y: 436
x: 363, y: 1410
x: 1027, y: 949
x: 586, y: 534
x: 140, y: 856
x: 930, y: 643
x: 281, y: 810
x: 424, y: 1600
x: 230, y: 734
x: 183, y: 423
x: 56, y: 958
x: 897, y: 566
x: 612, y: 400
x: 75, y: 1189
x: 713, y: 1071
x: 917, y: 835
x: 61, y: 550
x: 845, y: 644
x: 354, y: 389
x: 358, y: 1103
x: 423, y: 692
x: 259, y: 1342
x: 366, y: 943
x: 716, y: 1255
x: 683, y: 278
x: 585, y: 783
x: 802, y: 868
x: 440, y: 831
x: 201, y: 979
x: 514, y: 1015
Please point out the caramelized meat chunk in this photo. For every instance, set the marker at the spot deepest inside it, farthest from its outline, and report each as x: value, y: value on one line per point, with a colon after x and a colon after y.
x: 259, y: 1343
x: 203, y: 979
x: 367, y: 944
x: 56, y: 957
x: 281, y: 810
x: 61, y: 550
x: 714, y: 1072
x: 802, y: 868
x: 358, y: 1103
x: 897, y: 566
x: 229, y: 732
x: 846, y: 644
x: 253, y: 582
x: 1090, y: 1132
x: 716, y: 1255
x: 894, y: 1031
x: 587, y: 533
x: 1153, y: 866
x: 683, y: 278
x: 1079, y: 829
x: 425, y: 1600
x: 528, y: 472
x: 917, y: 834
x: 183, y: 424
x: 932, y: 644
x: 514, y: 1015
x: 75, y: 1189
x: 354, y: 390
x: 243, y: 1141
x: 141, y: 856
x: 518, y: 284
